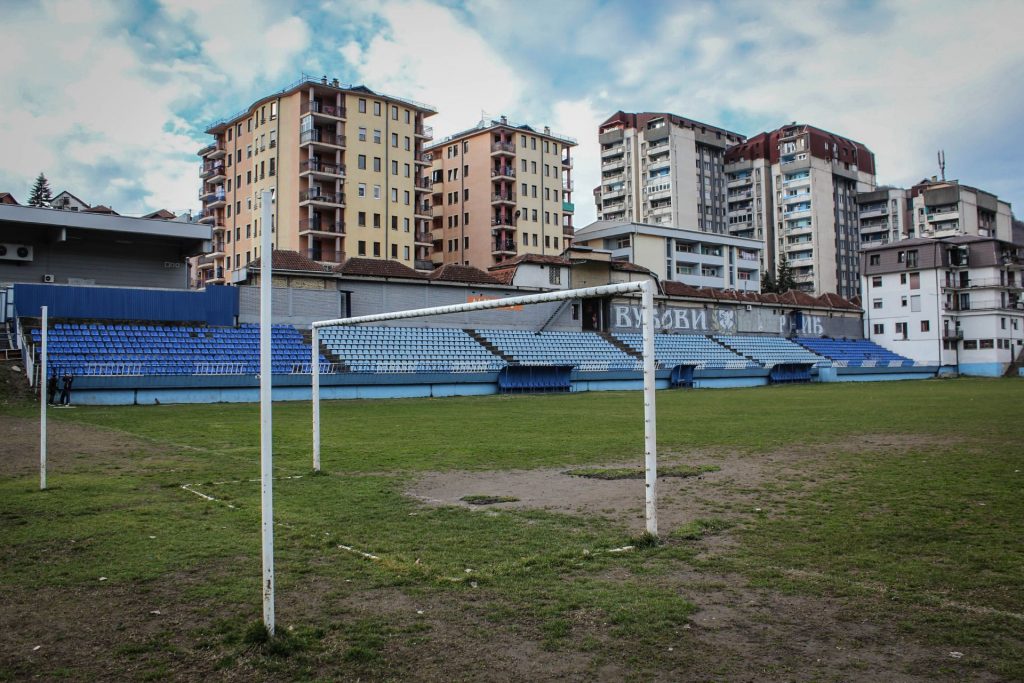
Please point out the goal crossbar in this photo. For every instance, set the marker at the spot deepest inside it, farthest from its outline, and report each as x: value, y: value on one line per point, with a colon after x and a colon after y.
x: 646, y: 290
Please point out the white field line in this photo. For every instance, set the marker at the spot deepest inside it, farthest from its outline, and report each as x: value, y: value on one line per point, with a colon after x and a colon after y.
x: 190, y: 489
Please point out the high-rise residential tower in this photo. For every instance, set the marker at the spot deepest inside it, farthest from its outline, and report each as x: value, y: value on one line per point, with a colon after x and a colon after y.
x: 343, y: 162
x: 663, y: 169
x: 796, y: 187
x: 499, y: 190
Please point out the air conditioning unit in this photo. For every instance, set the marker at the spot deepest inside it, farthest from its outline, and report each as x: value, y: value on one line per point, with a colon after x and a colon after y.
x: 15, y: 252
x: 749, y: 307
x: 49, y: 278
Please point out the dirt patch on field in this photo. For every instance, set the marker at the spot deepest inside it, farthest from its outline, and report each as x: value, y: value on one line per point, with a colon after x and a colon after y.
x: 745, y: 483
x: 69, y: 446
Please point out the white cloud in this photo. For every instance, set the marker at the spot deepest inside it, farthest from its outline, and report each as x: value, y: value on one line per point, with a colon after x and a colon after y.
x: 425, y: 52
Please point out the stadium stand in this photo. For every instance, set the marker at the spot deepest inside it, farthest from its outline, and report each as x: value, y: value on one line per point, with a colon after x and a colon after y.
x: 698, y: 350
x: 408, y: 349
x: 129, y: 349
x: 854, y: 352
x: 771, y: 351
x: 584, y: 351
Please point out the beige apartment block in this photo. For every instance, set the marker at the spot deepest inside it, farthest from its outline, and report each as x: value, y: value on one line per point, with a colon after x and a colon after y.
x: 796, y: 188
x: 497, y: 191
x: 663, y: 169
x: 343, y: 163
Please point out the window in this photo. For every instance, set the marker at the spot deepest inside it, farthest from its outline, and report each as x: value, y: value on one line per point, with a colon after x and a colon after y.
x: 405, y: 253
x: 901, y: 330
x: 376, y: 191
x: 878, y: 328
x: 376, y: 164
x: 465, y: 242
x: 407, y: 143
x: 903, y: 278
x: 912, y: 258
x: 394, y: 139
x: 554, y: 275
x: 970, y: 344
x: 362, y: 134
x: 874, y: 259
x: 876, y: 281
x: 376, y: 112
x: 986, y: 344
x: 394, y: 195
x: 915, y: 303
x: 394, y: 251
x: 394, y: 223
x: 361, y: 162
x: 903, y: 302
x: 362, y: 247
x: 915, y: 280
x: 361, y: 220
x: 926, y: 325
x: 376, y: 136
x: 361, y: 190
x: 876, y: 303
x: 376, y: 220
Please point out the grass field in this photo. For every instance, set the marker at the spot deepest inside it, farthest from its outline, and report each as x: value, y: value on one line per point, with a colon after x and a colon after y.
x: 829, y: 532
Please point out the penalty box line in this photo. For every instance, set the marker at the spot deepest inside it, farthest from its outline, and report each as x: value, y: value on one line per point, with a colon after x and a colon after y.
x: 191, y: 488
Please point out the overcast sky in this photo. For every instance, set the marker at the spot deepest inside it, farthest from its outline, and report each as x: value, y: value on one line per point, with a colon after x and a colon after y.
x: 110, y: 98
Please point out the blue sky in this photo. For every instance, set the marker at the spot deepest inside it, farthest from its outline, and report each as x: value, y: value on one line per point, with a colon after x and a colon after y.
x: 110, y: 98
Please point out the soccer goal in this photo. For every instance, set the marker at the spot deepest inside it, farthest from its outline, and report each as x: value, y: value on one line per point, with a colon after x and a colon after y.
x: 646, y: 290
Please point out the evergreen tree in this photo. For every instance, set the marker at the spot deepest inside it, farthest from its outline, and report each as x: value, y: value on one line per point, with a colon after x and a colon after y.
x: 768, y: 283
x: 41, y: 195
x: 784, y: 280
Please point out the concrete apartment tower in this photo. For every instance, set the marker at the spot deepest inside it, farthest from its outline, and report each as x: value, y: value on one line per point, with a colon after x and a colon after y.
x: 497, y: 191
x: 344, y: 163
x: 883, y: 215
x: 798, y: 185
x: 663, y: 169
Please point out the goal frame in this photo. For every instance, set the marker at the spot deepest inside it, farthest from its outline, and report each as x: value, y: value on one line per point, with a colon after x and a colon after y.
x: 646, y: 290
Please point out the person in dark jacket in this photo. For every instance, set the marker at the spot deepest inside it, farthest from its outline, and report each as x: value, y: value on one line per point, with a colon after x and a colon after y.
x: 65, y: 392
x: 51, y: 390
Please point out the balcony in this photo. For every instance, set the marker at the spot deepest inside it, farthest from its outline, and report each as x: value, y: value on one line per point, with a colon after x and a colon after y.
x: 212, y: 172
x: 797, y: 212
x: 568, y: 207
x: 216, y: 200
x: 798, y: 180
x: 506, y: 222
x: 208, y: 216
x: 503, y: 149
x: 611, y: 195
x: 503, y: 247
x: 567, y: 162
x: 613, y: 165
x: 324, y: 255
x: 317, y: 198
x: 424, y: 239
x: 803, y: 277
x: 739, y: 196
x: 740, y: 182
x: 422, y: 158
x: 940, y: 216
x: 205, y: 263
x: 219, y: 226
x: 321, y: 226
x: 873, y: 211
x: 423, y: 184
x: 218, y: 250
x: 503, y: 198
x: 319, y: 138
x: 568, y: 230
x: 424, y: 211
x: 321, y: 169
x: 321, y: 110
x: 215, y: 150
x: 503, y: 172
x: 616, y: 151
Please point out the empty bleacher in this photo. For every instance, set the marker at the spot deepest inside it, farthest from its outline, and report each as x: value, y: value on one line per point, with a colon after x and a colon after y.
x: 584, y: 351
x: 854, y: 352
x: 377, y: 349
x: 771, y: 351
x: 129, y: 349
x: 697, y: 350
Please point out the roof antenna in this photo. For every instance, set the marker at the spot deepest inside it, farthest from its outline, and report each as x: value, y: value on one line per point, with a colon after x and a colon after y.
x: 942, y: 164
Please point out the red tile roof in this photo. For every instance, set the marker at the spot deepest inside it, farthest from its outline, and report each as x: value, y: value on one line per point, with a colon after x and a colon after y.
x: 372, y: 267
x: 533, y: 258
x: 626, y: 266
x: 100, y: 208
x: 504, y: 276
x: 791, y: 298
x: 453, y: 272
x: 285, y: 259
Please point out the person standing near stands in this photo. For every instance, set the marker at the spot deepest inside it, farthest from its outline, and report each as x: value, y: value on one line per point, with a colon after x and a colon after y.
x: 65, y: 393
x: 51, y: 390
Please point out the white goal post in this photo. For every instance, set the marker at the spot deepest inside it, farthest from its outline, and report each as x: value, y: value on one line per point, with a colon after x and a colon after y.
x: 646, y: 289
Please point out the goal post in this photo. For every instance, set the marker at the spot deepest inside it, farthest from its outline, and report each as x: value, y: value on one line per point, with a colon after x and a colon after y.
x: 646, y: 290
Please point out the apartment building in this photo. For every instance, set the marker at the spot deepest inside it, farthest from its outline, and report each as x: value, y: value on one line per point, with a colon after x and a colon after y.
x: 803, y: 184
x: 343, y: 162
x: 943, y: 208
x: 663, y: 169
x: 957, y: 300
x: 883, y: 215
x: 698, y: 259
x: 497, y: 191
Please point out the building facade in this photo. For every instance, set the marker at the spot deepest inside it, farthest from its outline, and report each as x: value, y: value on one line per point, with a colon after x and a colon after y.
x: 698, y: 259
x: 884, y: 215
x: 946, y: 208
x: 796, y: 187
x: 957, y: 301
x: 343, y: 162
x: 497, y: 191
x: 663, y: 169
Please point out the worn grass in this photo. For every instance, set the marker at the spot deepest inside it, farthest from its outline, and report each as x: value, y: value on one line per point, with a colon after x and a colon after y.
x: 929, y: 540
x: 614, y: 473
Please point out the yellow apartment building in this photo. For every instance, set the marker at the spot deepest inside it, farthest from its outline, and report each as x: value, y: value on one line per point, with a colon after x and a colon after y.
x: 346, y: 164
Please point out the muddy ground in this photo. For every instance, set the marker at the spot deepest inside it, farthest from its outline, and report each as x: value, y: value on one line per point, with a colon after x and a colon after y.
x: 739, y: 633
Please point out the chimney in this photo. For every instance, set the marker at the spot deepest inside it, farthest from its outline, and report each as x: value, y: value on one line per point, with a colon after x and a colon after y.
x: 547, y: 130
x: 504, y: 119
x: 323, y: 79
x: 335, y: 82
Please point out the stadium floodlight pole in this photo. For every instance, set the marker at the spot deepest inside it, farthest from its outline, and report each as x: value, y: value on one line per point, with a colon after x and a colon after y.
x: 42, y: 401
x: 266, y: 421
x: 650, y: 413
x: 646, y: 290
